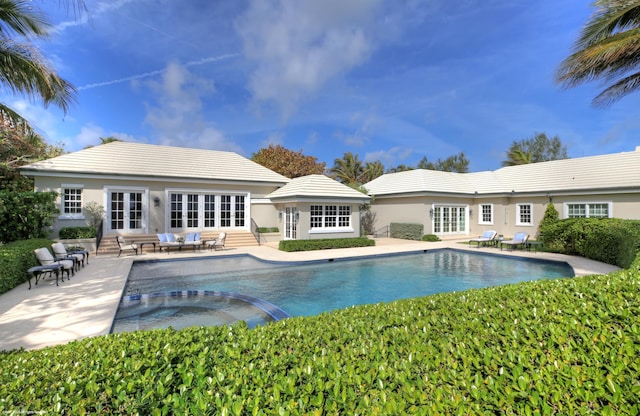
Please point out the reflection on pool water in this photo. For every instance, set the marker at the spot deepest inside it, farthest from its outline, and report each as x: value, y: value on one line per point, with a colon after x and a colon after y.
x: 306, y: 289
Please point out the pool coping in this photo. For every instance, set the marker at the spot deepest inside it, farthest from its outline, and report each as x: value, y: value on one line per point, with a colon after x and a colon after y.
x: 85, y: 305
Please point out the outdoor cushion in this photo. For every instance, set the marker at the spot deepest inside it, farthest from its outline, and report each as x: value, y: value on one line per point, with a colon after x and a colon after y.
x: 190, y: 237
x: 170, y: 238
x: 162, y: 238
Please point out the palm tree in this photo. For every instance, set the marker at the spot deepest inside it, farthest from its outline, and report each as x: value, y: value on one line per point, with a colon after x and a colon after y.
x: 23, y: 69
x: 348, y: 170
x: 372, y: 170
x: 608, y: 49
x: 518, y: 157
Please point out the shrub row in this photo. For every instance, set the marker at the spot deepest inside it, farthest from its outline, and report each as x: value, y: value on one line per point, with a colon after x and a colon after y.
x: 264, y: 230
x: 565, y: 346
x: 15, y: 259
x: 324, y: 244
x: 609, y: 240
x: 69, y: 233
x: 406, y: 231
x: 430, y: 237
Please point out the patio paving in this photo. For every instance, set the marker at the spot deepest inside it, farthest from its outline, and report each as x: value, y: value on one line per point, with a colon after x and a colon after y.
x: 85, y: 305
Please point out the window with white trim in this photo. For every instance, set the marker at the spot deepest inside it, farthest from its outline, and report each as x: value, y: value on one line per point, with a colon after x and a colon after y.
x: 486, y: 214
x: 588, y: 210
x: 71, y: 202
x: 330, y: 216
x: 524, y: 214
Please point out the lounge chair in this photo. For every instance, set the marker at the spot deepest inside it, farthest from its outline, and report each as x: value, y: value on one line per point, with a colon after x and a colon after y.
x: 486, y: 238
x: 168, y: 240
x: 520, y: 239
x: 45, y: 258
x: 60, y: 251
x: 192, y: 240
x: 218, y: 242
x: 123, y: 245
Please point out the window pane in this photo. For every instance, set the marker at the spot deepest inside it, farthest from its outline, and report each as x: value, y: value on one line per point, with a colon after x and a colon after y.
x: 525, y: 214
x: 599, y: 210
x: 316, y: 216
x: 135, y: 210
x: 576, y: 210
x: 344, y: 216
x: 72, y: 201
x: 486, y: 213
x: 209, y: 210
x: 330, y: 219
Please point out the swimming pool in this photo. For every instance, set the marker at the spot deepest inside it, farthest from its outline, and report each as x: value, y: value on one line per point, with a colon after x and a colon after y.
x: 156, y: 288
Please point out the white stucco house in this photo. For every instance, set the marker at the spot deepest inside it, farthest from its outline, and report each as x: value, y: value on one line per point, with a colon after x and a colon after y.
x: 150, y: 189
x: 509, y: 199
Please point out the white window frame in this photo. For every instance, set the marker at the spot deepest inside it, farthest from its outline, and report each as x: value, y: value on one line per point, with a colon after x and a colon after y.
x: 519, y: 221
x: 481, y: 214
x: 107, y: 189
x: 330, y: 213
x: 76, y: 215
x: 587, y: 208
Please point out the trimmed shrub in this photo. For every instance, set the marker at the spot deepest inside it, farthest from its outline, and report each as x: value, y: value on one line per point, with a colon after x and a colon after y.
x: 549, y: 347
x: 265, y: 230
x: 71, y: 233
x: 25, y: 215
x: 610, y: 240
x: 430, y: 237
x: 406, y: 231
x: 324, y: 244
x: 15, y: 259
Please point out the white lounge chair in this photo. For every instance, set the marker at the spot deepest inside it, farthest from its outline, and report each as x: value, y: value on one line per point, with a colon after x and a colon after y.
x: 218, y: 242
x: 61, y: 252
x: 168, y: 240
x: 192, y: 240
x: 486, y: 237
x: 520, y: 239
x: 45, y: 258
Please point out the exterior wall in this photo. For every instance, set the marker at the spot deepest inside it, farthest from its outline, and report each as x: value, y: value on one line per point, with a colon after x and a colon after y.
x: 303, y: 223
x: 155, y: 203
x: 265, y: 215
x: 414, y: 210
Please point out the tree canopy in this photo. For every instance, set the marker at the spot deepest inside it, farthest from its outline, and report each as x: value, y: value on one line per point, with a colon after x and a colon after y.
x: 538, y: 148
x: 456, y: 163
x: 287, y: 162
x: 607, y: 50
x: 19, y: 145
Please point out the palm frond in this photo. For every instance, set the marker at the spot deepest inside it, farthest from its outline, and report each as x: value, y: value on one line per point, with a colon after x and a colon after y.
x: 22, y: 18
x: 618, y: 90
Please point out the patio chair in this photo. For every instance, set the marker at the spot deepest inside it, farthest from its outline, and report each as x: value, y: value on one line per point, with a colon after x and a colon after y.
x: 487, y: 237
x: 218, y: 242
x: 123, y: 245
x: 60, y: 251
x: 45, y: 258
x: 520, y: 239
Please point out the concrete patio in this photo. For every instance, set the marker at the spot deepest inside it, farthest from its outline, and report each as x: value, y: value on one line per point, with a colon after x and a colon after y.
x: 85, y: 305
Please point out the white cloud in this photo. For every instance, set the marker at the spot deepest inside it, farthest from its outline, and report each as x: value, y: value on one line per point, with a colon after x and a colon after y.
x: 299, y: 46
x: 389, y: 158
x: 176, y: 115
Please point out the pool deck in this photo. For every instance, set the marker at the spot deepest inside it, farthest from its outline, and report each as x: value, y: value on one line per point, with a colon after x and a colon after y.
x: 85, y: 305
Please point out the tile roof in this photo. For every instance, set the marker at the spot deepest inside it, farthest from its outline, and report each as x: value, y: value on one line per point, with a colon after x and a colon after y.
x: 618, y: 171
x: 130, y: 159
x: 317, y: 186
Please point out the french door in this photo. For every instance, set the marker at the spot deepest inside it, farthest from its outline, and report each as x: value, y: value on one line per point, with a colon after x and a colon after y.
x: 290, y: 223
x: 449, y: 219
x: 201, y: 211
x: 127, y: 211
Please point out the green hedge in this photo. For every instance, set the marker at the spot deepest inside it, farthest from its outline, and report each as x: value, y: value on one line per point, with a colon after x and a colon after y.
x: 406, y: 231
x: 71, y: 233
x: 15, y: 259
x: 549, y: 347
x: 609, y: 240
x: 264, y: 230
x: 324, y: 244
x: 430, y: 237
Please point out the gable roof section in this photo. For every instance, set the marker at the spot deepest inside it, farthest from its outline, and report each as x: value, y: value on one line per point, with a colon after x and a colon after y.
x: 129, y: 159
x: 317, y: 187
x: 613, y: 172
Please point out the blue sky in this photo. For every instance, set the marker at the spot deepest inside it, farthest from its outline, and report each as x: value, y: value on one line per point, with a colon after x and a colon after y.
x: 388, y: 80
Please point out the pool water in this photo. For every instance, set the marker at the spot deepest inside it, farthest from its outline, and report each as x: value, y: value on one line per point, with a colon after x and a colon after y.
x: 313, y: 288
